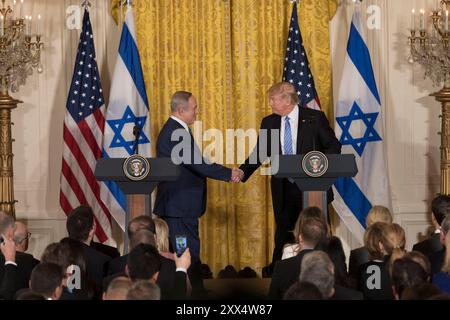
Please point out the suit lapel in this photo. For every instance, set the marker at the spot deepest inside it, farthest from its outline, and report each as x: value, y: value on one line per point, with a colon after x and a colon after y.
x: 276, y: 125
x: 300, y: 128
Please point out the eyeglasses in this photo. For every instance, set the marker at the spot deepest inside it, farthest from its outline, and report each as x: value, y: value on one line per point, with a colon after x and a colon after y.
x: 26, y: 238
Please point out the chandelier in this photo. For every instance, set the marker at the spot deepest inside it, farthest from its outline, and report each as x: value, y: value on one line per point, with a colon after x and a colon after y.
x: 20, y: 53
x: 429, y: 47
x: 20, y: 48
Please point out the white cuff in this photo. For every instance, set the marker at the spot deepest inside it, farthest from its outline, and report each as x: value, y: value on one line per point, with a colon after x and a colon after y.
x: 181, y: 269
x: 10, y: 262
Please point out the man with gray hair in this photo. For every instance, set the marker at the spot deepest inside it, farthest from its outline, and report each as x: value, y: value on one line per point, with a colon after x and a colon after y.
x: 180, y: 203
x: 8, y: 265
x: 318, y: 269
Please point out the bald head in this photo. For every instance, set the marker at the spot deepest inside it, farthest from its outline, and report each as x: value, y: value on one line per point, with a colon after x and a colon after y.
x: 21, y: 236
x: 118, y: 289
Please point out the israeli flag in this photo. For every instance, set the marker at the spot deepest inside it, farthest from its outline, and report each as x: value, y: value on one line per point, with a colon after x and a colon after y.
x: 359, y: 127
x: 127, y: 110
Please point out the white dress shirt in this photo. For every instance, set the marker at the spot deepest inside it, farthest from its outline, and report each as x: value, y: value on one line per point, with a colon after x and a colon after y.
x: 293, y: 121
x: 180, y: 122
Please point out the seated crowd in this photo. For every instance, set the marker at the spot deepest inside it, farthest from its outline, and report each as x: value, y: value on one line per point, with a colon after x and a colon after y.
x: 313, y: 268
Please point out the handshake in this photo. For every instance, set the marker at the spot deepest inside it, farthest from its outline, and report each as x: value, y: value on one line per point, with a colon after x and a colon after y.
x: 236, y: 175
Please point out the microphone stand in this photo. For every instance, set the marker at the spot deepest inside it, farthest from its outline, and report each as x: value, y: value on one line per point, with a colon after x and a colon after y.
x: 136, y: 133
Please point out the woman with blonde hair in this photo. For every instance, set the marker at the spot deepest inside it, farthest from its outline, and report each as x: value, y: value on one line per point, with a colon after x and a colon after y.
x: 393, y: 243
x: 361, y: 255
x: 162, y: 238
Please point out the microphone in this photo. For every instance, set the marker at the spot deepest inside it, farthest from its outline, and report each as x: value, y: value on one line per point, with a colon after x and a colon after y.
x: 136, y: 133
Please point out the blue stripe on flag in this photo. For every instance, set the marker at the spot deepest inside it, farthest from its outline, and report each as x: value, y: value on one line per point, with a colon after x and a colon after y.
x: 130, y: 56
x: 114, y: 188
x: 360, y: 56
x: 354, y: 198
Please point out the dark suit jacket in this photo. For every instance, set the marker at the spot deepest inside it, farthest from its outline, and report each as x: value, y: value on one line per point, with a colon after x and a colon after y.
x: 25, y: 264
x: 318, y: 133
x: 96, y: 264
x: 185, y: 197
x: 106, y: 250
x: 437, y: 260
x: 285, y: 273
x: 358, y: 257
x: 166, y: 279
x: 7, y: 281
x: 342, y: 293
x: 384, y: 292
x: 430, y: 245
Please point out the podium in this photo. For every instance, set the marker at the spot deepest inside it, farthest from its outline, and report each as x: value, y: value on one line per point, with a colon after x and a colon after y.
x: 161, y: 169
x: 315, y: 188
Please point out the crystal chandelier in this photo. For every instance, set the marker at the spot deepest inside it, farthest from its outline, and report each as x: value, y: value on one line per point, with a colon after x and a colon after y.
x: 20, y: 50
x: 429, y: 47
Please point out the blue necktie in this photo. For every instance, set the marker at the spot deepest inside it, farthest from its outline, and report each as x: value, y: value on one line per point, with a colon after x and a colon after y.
x: 288, y: 140
x: 287, y: 137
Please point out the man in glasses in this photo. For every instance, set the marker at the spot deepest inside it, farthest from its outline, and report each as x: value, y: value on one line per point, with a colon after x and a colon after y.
x: 21, y: 236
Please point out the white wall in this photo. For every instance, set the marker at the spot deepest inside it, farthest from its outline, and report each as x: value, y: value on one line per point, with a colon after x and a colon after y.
x: 411, y: 116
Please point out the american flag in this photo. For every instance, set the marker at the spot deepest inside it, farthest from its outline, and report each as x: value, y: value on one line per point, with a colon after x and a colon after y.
x: 83, y: 133
x: 296, y: 67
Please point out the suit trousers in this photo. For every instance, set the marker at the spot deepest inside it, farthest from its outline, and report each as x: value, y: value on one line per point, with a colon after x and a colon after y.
x: 186, y: 227
x: 286, y: 217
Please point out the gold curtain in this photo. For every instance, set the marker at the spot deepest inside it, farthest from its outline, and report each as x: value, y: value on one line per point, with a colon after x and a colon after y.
x: 228, y: 53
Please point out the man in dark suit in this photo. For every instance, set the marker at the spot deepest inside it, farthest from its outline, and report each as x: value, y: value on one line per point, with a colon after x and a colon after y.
x: 8, y: 251
x: 24, y: 262
x: 286, y: 272
x: 440, y: 208
x: 298, y: 131
x: 437, y: 258
x: 81, y: 227
x: 180, y: 203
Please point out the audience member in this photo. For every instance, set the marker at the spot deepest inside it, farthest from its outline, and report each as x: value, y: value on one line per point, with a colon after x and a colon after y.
x: 442, y: 278
x: 311, y: 233
x: 144, y: 290
x: 421, y: 291
x: 229, y: 272
x: 317, y: 268
x: 247, y: 273
x: 47, y: 280
x: 118, y: 289
x: 68, y: 254
x: 336, y: 253
x: 81, y: 227
x: 360, y: 255
x: 162, y: 238
x: 23, y: 262
x: 291, y: 250
x: 373, y: 280
x: 406, y: 273
x: 8, y: 267
x: 440, y: 208
x: 303, y: 291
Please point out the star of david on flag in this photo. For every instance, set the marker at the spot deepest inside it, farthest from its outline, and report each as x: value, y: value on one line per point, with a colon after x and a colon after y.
x: 117, y: 125
x: 359, y: 127
x: 128, y: 107
x: 369, y: 134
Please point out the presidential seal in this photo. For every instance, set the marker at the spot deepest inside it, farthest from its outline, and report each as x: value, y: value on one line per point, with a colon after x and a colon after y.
x: 315, y: 164
x: 136, y: 167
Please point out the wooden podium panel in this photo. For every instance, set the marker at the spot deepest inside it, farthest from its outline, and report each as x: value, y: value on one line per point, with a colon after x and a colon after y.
x: 315, y: 199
